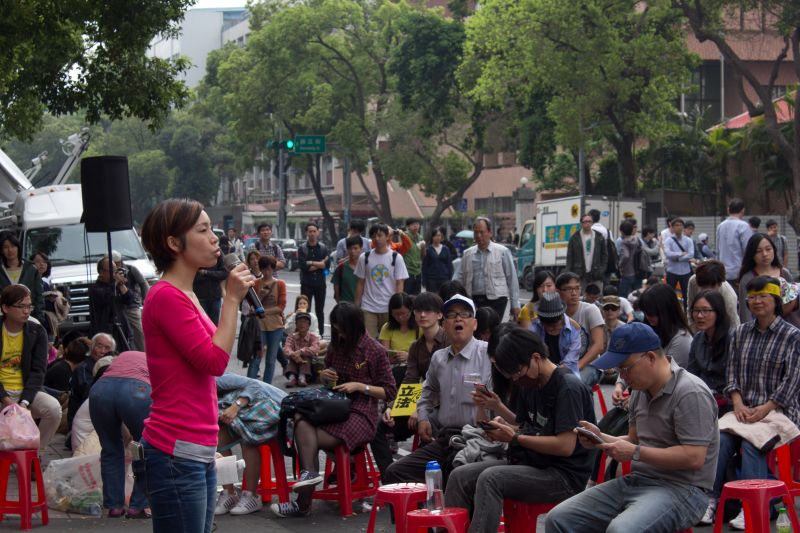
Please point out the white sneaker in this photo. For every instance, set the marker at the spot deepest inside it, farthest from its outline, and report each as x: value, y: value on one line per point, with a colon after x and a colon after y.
x: 738, y: 522
x: 225, y: 502
x: 711, y: 512
x: 248, y: 503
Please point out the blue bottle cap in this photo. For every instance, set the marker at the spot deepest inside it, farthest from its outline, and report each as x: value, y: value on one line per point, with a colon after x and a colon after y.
x: 432, y: 465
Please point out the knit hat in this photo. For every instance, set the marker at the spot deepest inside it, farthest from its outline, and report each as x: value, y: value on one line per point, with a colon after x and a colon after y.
x: 550, y: 305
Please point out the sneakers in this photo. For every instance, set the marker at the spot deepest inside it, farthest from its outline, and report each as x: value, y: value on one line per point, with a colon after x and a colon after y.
x: 711, y: 512
x: 248, y: 503
x: 738, y: 522
x: 301, y: 382
x: 307, y: 479
x: 288, y: 510
x: 225, y: 502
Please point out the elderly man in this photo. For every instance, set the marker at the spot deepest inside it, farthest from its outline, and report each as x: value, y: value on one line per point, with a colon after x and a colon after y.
x: 488, y: 272
x: 103, y: 344
x: 451, y: 378
x: 672, y: 441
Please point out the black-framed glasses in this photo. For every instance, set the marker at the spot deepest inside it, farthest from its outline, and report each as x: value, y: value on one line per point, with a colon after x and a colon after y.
x: 24, y: 307
x: 452, y: 315
x: 513, y: 376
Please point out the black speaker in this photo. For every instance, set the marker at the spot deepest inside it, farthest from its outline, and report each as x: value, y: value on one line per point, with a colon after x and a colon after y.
x: 106, y: 193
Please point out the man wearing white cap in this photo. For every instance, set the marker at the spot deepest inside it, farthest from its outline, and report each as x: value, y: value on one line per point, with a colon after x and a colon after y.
x: 672, y: 442
x: 452, y: 376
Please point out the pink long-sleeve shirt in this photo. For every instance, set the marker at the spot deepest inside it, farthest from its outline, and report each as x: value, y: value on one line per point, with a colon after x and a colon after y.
x: 183, y: 361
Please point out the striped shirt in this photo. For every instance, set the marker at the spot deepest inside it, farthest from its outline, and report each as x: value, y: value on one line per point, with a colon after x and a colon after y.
x: 763, y: 366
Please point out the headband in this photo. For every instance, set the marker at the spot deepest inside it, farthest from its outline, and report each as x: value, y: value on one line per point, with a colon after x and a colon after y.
x: 769, y: 288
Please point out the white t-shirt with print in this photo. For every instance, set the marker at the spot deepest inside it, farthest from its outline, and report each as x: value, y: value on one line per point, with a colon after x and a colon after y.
x: 379, y: 284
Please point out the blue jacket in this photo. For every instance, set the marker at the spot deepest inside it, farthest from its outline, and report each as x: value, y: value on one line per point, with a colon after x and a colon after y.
x: 437, y: 266
x: 569, y: 342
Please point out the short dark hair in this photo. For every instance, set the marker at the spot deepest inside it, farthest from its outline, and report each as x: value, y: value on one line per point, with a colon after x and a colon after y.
x: 755, y: 284
x: 77, y: 350
x: 595, y: 214
x: 450, y: 288
x: 428, y: 301
x: 677, y: 220
x: 267, y: 261
x: 10, y: 237
x: 710, y: 273
x: 754, y: 222
x: 736, y: 205
x: 412, y: 220
x: 358, y: 225
x: 170, y: 218
x: 516, y: 348
x: 610, y: 290
x: 262, y: 226
x: 14, y: 293
x: 670, y: 218
x: 310, y: 224
x: 378, y: 227
x: 771, y: 222
x: 355, y: 240
x: 626, y: 228
x: 647, y: 230
x: 485, y: 221
x: 688, y: 224
x: 488, y: 320
x: 566, y: 277
x: 592, y: 288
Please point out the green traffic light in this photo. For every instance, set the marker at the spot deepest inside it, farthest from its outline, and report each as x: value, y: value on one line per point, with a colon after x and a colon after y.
x: 290, y: 144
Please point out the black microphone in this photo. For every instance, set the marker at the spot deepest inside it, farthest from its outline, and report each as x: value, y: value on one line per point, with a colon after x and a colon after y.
x: 231, y: 261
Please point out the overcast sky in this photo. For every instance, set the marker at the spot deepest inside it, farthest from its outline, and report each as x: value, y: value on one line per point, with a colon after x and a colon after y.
x: 204, y: 4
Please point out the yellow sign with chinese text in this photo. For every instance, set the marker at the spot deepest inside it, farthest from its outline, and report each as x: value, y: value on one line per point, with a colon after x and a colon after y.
x: 406, y: 401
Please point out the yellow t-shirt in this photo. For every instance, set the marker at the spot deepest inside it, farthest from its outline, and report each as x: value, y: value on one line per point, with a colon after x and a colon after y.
x: 528, y: 312
x: 14, y: 274
x: 399, y: 341
x: 11, y: 361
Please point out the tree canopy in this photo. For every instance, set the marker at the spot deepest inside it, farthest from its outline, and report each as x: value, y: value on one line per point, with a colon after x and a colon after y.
x: 86, y: 56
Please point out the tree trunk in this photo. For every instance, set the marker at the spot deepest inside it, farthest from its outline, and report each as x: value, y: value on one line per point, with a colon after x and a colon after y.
x: 314, y: 170
x: 385, y: 213
x: 627, y: 164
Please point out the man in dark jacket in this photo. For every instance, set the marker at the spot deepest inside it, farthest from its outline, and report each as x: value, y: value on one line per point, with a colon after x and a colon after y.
x: 587, y: 254
x: 108, y: 298
x: 208, y: 289
x: 313, y: 260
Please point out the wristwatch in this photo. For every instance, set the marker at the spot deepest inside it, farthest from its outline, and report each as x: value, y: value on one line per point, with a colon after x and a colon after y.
x: 636, y: 453
x: 239, y: 403
x: 24, y: 403
x: 515, y: 439
x: 366, y: 390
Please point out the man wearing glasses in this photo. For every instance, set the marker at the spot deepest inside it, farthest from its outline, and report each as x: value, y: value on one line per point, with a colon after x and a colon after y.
x: 452, y: 376
x: 672, y: 442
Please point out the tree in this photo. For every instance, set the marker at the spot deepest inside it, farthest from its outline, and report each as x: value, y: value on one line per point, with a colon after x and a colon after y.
x: 89, y: 56
x: 151, y: 181
x: 614, y: 68
x: 710, y: 21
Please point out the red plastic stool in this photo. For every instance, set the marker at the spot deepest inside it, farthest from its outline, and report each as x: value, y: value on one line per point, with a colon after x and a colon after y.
x: 755, y: 495
x: 403, y: 497
x: 23, y: 506
x: 520, y: 517
x: 454, y: 519
x: 597, y: 390
x: 344, y: 491
x: 272, y: 457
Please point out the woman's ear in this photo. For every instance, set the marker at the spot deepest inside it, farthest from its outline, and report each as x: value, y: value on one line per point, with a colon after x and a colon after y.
x: 174, y: 244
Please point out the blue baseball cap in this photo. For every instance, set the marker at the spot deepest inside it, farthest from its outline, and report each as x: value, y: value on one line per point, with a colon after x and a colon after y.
x: 626, y: 340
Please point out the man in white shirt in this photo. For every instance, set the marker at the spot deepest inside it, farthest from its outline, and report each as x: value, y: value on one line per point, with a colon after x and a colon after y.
x: 381, y: 272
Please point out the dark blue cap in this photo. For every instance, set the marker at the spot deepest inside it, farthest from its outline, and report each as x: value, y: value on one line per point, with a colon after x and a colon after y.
x: 626, y: 340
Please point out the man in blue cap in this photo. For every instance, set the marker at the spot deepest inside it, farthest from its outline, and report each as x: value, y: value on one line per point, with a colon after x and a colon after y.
x: 672, y: 443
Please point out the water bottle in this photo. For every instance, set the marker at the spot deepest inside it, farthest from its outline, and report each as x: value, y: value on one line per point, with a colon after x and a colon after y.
x: 783, y: 525
x: 433, y: 482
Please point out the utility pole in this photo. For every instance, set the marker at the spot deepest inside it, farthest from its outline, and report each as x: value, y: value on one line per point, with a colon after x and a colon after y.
x: 348, y: 193
x: 282, y: 193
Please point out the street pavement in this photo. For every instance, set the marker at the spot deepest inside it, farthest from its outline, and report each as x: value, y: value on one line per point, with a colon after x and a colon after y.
x: 325, y: 514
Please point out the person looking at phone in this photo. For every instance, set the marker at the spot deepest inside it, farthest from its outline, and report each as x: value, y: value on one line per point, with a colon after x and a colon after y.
x: 446, y: 384
x: 672, y: 441
x: 544, y: 461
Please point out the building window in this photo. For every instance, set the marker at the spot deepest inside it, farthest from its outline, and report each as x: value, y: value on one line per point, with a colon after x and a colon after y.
x: 496, y: 204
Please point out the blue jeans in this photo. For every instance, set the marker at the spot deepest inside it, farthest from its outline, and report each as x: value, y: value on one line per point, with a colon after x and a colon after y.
x: 182, y: 492
x: 628, y: 285
x: 591, y: 375
x: 114, y: 401
x: 630, y: 504
x: 754, y: 463
x: 272, y: 340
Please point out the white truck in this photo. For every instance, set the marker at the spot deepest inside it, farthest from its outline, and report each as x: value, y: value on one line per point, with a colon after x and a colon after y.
x: 47, y: 219
x: 556, y: 220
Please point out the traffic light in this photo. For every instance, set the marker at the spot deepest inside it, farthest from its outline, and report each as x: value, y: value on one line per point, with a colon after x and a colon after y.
x: 287, y: 145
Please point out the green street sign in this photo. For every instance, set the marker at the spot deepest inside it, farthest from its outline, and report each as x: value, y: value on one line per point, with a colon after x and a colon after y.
x: 309, y: 144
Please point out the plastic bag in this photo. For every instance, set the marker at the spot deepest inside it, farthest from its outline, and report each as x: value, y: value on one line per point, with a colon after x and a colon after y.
x: 74, y: 485
x: 18, y: 431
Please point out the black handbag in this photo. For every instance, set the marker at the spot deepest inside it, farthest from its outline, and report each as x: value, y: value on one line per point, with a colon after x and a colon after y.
x: 318, y: 406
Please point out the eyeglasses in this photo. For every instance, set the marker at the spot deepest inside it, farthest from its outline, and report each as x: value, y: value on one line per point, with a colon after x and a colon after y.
x: 702, y: 311
x: 452, y: 315
x: 571, y: 289
x: 513, y: 376
x: 24, y: 307
x: 759, y: 297
x: 625, y: 369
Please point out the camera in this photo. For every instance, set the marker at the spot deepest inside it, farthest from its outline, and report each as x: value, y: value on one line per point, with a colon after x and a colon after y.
x: 122, y: 270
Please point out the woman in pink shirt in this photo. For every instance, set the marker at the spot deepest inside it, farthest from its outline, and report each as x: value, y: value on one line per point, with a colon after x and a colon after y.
x: 185, y: 351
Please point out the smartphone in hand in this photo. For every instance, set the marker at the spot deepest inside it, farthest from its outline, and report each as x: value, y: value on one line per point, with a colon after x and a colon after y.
x: 483, y: 389
x: 486, y: 426
x: 594, y: 437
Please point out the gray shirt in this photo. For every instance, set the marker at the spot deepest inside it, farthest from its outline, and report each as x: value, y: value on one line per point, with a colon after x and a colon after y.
x: 732, y: 236
x: 684, y: 412
x: 479, y: 267
x: 678, y: 347
x: 341, y: 247
x: 444, y: 384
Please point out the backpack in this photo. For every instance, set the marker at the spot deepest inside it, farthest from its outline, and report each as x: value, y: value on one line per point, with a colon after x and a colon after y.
x: 642, y: 264
x: 366, y: 257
